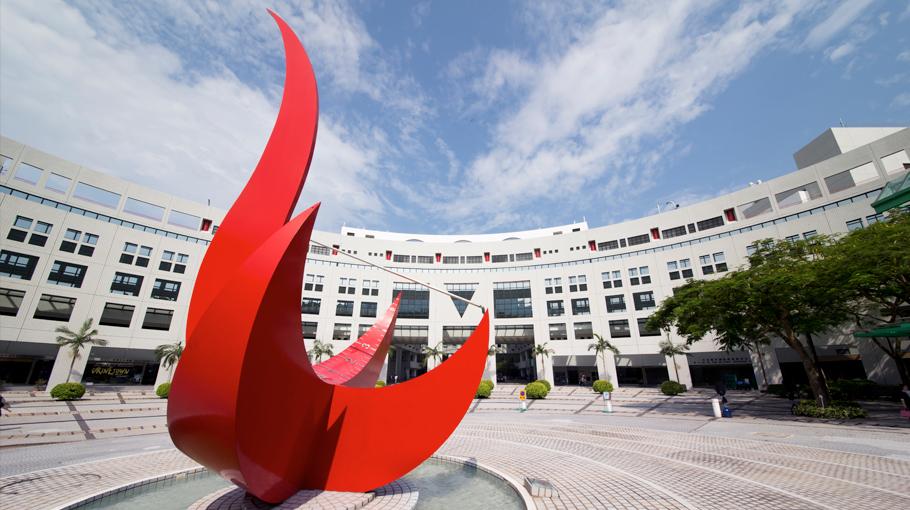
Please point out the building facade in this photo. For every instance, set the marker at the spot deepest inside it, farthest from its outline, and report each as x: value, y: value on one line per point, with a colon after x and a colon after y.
x: 80, y: 244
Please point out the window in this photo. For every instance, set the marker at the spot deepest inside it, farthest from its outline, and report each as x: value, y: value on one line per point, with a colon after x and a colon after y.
x: 555, y: 309
x: 116, y: 314
x: 583, y: 331
x: 875, y: 218
x: 643, y: 300
x: 28, y: 173
x: 55, y: 308
x: 720, y: 261
x: 181, y: 219
x: 370, y: 288
x: 58, y: 183
x: 144, y: 209
x: 500, y: 258
x: 643, y: 329
x: 717, y: 221
x: 362, y: 330
x: 798, y: 195
x: 10, y: 301
x: 751, y: 249
x: 17, y: 265
x: 639, y: 275
x: 415, y: 300
x: 611, y: 279
x: 552, y: 285
x: 706, y: 266
x: 135, y: 254
x: 512, y: 299
x: 607, y: 245
x: 344, y: 308
x: 558, y: 332
x: 313, y: 282
x: 792, y: 239
x: 309, y: 329
x: 310, y: 306
x: 66, y: 274
x: 850, y: 178
x: 5, y: 162
x: 165, y: 290
x: 642, y: 239
x: 95, y: 195
x: 712, y: 263
x: 895, y: 162
x: 21, y: 227
x: 854, y: 224
x: 756, y: 208
x: 341, y: 332
x: 810, y: 234
x: 347, y: 285
x: 616, y: 303
x: 157, y: 318
x: 320, y: 250
x: 126, y: 284
x: 620, y: 329
x: 581, y: 307
x: 680, y: 269
x: 367, y: 309
x: 673, y: 232
x: 578, y: 283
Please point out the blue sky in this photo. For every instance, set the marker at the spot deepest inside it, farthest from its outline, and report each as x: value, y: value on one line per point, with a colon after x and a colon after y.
x: 444, y: 117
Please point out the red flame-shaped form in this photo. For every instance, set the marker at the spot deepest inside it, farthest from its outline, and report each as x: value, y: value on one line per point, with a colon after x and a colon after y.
x: 246, y: 401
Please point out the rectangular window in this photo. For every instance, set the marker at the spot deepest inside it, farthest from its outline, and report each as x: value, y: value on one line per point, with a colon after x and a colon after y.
x: 309, y: 329
x: 642, y: 239
x: 717, y: 221
x: 578, y: 283
x: 362, y: 330
x: 854, y: 224
x: 66, y: 274
x: 181, y: 219
x: 720, y: 262
x: 756, y: 208
x: 415, y: 300
x: 895, y: 162
x: 639, y: 275
x: 555, y: 309
x: 810, y: 234
x: 58, y: 183
x: 17, y: 265
x: 512, y: 299
x: 117, y: 314
x: 553, y: 285
x: 341, y: 332
x: 522, y: 257
x: 608, y: 245
x: 310, y: 306
x: 313, y: 282
x: 320, y: 250
x: 674, y: 232
x: 583, y: 331
x: 28, y: 173
x: 55, y: 308
x: 620, y: 329
x: 706, y: 266
x: 344, y: 308
x: 367, y: 309
x: 874, y: 218
x: 144, y: 209
x: 96, y: 195
x: 10, y: 301
x: 558, y: 332
x: 126, y: 284
x: 581, y: 307
x: 157, y: 318
x: 616, y: 303
x: 643, y: 329
x: 798, y: 195
x: 611, y: 279
x: 165, y: 290
x: 643, y: 300
x: 851, y: 178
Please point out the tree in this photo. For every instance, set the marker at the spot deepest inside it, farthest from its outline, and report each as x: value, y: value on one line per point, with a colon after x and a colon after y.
x: 600, y: 348
x: 874, y: 264
x: 671, y: 350
x: 321, y: 349
x: 435, y: 353
x: 544, y: 352
x: 170, y: 355
x: 77, y: 340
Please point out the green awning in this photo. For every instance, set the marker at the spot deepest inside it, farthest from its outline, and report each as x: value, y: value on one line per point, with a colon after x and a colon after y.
x: 892, y: 330
x: 895, y: 194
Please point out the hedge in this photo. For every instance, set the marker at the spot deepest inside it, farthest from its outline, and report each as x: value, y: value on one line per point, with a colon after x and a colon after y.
x: 380, y: 384
x: 838, y: 410
x: 601, y: 386
x: 68, y: 391
x: 672, y: 388
x: 545, y: 383
x: 536, y: 390
x: 163, y: 390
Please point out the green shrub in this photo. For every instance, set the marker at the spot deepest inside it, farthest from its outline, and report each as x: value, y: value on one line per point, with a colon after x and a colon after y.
x: 163, y: 390
x: 483, y: 390
x: 601, y: 386
x: 536, y: 390
x: 545, y: 383
x: 380, y: 384
x: 488, y: 383
x: 672, y: 388
x: 838, y: 410
x: 861, y: 389
x: 68, y: 391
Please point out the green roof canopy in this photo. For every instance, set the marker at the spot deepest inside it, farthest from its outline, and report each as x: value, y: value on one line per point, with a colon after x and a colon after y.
x: 892, y: 330
x: 895, y: 194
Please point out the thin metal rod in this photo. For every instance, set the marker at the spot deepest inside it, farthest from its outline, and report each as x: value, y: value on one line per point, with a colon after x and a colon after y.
x: 408, y: 278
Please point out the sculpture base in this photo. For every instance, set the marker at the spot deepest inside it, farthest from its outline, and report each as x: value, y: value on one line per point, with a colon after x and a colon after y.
x: 398, y: 495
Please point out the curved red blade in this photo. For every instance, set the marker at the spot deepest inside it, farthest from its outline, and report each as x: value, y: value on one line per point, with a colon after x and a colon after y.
x: 246, y: 401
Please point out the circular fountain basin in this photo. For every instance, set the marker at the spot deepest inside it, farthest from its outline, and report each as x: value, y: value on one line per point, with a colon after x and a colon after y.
x: 434, y: 485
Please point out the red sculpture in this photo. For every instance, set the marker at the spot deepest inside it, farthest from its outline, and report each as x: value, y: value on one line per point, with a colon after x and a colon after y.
x: 246, y: 402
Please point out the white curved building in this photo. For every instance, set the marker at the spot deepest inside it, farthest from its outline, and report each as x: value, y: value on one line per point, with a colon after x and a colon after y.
x: 77, y: 243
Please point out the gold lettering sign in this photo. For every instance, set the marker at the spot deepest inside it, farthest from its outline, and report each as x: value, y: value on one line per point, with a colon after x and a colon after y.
x: 111, y: 371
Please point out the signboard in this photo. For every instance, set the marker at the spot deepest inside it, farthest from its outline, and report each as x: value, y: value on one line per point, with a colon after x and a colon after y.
x: 521, y: 395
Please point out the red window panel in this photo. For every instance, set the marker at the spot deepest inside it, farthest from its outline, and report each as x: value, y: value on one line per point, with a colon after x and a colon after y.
x: 438, y: 258
x: 655, y: 233
x: 388, y: 254
x: 486, y: 256
x: 335, y: 249
x: 592, y: 245
x: 206, y: 224
x: 536, y: 253
x: 730, y: 214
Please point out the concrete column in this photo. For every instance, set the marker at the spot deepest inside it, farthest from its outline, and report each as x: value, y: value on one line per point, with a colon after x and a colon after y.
x: 608, y: 372
x: 682, y: 365
x: 545, y: 370
x: 384, y: 372
x: 772, y: 367
x: 163, y: 374
x: 62, y: 366
x: 489, y: 369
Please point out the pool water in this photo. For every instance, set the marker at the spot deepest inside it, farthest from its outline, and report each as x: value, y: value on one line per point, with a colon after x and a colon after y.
x: 440, y: 485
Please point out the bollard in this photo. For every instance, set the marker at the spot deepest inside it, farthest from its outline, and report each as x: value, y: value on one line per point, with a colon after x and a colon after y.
x: 524, y: 406
x: 715, y: 403
x: 608, y: 402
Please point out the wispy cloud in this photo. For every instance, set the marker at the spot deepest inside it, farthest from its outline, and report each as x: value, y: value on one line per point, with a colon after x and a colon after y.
x: 839, y: 19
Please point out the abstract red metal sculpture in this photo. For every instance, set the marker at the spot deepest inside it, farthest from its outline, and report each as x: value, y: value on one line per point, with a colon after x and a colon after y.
x: 246, y: 402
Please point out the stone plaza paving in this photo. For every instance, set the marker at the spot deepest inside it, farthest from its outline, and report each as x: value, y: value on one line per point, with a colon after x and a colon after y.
x: 652, y: 452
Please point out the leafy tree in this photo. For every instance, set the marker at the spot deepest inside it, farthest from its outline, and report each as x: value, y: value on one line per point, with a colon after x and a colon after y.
x: 671, y: 350
x: 544, y: 352
x: 77, y: 340
x: 321, y: 349
x: 600, y: 348
x: 874, y: 264
x: 435, y: 353
x: 170, y: 354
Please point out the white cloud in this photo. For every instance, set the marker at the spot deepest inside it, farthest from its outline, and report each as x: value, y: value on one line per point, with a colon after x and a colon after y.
x: 841, y: 17
x: 904, y: 56
x: 133, y: 109
x: 901, y: 100
x: 841, y: 51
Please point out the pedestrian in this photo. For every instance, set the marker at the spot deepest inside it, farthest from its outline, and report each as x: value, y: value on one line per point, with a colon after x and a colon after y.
x: 721, y: 390
x: 4, y: 405
x: 905, y: 400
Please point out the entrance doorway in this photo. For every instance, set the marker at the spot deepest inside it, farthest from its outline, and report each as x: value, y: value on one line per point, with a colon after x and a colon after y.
x: 515, y: 361
x: 575, y: 370
x: 26, y: 362
x: 118, y: 366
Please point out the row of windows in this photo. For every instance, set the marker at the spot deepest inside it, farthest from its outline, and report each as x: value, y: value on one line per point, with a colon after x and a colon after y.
x: 60, y: 308
x: 343, y: 308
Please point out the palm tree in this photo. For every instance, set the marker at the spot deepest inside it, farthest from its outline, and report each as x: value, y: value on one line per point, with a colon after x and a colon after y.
x: 77, y: 340
x: 600, y: 347
x: 668, y: 349
x: 544, y: 352
x: 436, y: 353
x: 321, y: 349
x: 170, y: 354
